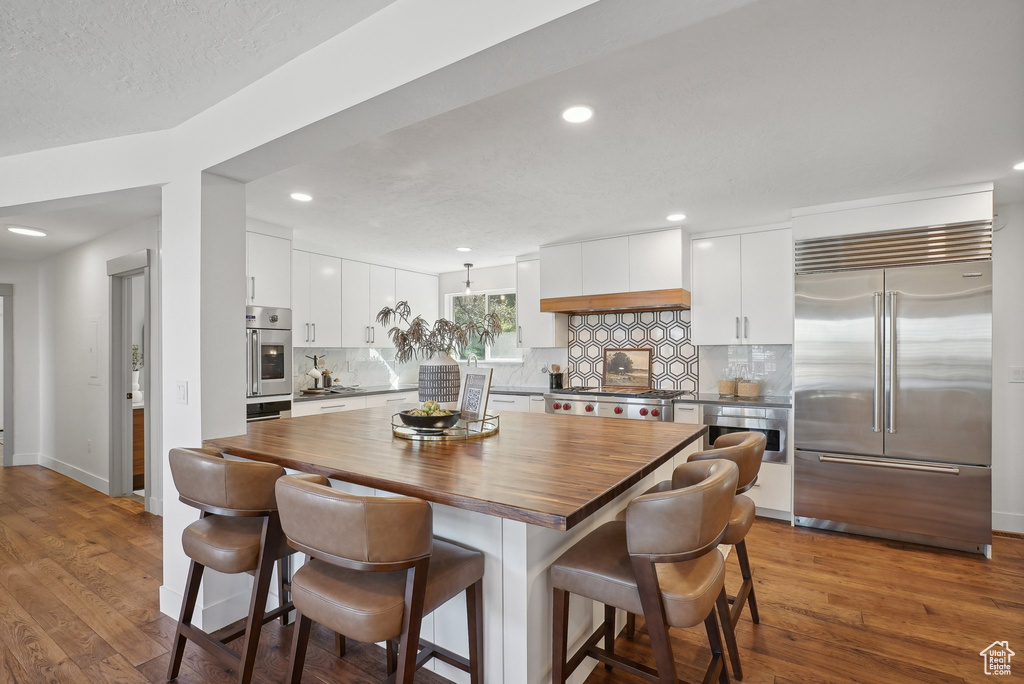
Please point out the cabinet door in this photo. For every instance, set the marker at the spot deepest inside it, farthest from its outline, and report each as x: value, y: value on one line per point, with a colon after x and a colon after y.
x: 715, y: 309
x: 766, y: 262
x: 382, y: 293
x: 606, y: 266
x: 420, y: 290
x: 508, y: 403
x: 537, y: 404
x: 534, y: 328
x: 774, y: 487
x: 268, y: 265
x: 355, y: 304
x: 301, y: 323
x: 656, y: 260
x: 561, y: 271
x: 325, y: 300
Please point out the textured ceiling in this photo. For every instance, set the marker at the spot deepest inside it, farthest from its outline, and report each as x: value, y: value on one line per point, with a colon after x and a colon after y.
x: 80, y: 70
x: 734, y: 121
x: 68, y: 223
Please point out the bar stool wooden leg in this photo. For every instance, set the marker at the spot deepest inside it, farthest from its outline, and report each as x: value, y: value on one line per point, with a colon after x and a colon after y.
x: 715, y: 641
x: 415, y: 590
x: 284, y: 594
x: 188, y: 607
x: 748, y: 584
x: 609, y: 635
x: 341, y: 645
x: 391, y: 656
x: 258, y: 602
x: 475, y: 621
x: 299, y: 642
x: 630, y: 625
x: 730, y: 634
x: 654, y: 616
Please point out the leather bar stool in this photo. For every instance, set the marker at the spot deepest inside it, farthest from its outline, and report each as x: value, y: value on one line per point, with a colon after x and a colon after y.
x: 745, y: 449
x: 662, y: 562
x: 375, y: 570
x: 238, y: 531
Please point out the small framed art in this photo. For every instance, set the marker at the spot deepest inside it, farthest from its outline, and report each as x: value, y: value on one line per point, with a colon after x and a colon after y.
x: 476, y: 386
x: 626, y: 368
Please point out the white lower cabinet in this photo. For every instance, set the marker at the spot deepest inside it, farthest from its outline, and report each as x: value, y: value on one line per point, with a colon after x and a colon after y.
x: 392, y: 399
x: 688, y: 414
x: 508, y: 403
x: 321, y: 406
x: 773, y: 491
x: 537, y: 403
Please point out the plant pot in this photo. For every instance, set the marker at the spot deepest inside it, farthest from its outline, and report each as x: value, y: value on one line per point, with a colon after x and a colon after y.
x: 135, y: 380
x: 439, y: 380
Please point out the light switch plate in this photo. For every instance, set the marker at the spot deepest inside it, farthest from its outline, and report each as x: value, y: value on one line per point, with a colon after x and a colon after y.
x: 182, y: 396
x: 1016, y: 373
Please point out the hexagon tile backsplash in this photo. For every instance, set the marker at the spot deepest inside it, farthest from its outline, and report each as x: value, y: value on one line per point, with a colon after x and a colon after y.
x: 674, y: 359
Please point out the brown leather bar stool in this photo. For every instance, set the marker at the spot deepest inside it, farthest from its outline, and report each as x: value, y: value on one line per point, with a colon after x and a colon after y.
x: 745, y: 449
x: 238, y: 531
x: 375, y: 569
x: 661, y: 562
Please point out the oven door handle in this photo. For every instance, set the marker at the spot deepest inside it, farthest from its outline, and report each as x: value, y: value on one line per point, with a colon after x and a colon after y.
x: 254, y: 349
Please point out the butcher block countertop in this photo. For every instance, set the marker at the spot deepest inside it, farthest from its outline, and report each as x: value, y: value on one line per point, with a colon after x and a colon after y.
x: 547, y: 470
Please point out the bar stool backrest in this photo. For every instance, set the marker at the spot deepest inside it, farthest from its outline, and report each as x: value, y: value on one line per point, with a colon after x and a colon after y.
x: 745, y: 449
x: 208, y: 481
x: 685, y: 522
x: 379, y: 534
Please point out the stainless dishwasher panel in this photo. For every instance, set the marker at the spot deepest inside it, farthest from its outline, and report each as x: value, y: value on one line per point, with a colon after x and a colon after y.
x: 923, y: 501
x: 773, y: 423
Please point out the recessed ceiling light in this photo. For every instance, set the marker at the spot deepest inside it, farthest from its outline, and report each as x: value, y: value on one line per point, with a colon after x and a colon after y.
x: 463, y: 249
x: 675, y: 217
x: 578, y: 114
x: 20, y: 230
x: 301, y: 197
x: 1019, y: 166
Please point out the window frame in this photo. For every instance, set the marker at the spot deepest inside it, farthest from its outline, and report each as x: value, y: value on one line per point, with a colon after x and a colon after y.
x: 449, y: 314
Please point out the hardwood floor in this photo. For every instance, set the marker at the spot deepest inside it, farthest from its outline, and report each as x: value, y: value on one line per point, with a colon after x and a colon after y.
x: 80, y: 573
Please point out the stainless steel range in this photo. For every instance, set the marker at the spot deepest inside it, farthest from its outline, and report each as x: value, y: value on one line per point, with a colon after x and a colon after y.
x: 630, y: 404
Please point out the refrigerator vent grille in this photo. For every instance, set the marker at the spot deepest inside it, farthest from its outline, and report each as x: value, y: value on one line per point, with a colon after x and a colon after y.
x: 911, y: 247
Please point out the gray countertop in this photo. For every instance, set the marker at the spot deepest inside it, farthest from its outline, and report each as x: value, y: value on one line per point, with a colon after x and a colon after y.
x: 512, y: 389
x: 711, y: 398
x: 356, y: 392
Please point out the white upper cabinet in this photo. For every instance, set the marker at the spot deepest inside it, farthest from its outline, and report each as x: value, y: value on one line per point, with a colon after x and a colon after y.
x: 382, y: 293
x: 316, y: 309
x: 561, y: 271
x: 355, y: 304
x: 605, y: 266
x: 742, y: 289
x: 534, y: 328
x: 766, y: 263
x: 420, y: 290
x: 268, y: 270
x: 655, y: 261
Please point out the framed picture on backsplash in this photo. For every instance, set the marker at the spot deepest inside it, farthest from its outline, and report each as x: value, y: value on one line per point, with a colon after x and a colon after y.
x: 476, y: 386
x: 628, y: 368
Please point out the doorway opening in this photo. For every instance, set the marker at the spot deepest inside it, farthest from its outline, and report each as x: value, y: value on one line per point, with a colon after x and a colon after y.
x: 7, y: 373
x: 130, y: 459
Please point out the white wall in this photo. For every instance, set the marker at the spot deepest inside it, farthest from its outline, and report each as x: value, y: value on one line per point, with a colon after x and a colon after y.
x: 24, y: 276
x: 1, y: 363
x: 75, y: 407
x: 1007, y: 350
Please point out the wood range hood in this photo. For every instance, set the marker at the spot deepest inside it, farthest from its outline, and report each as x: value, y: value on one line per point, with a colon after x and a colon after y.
x: 647, y: 300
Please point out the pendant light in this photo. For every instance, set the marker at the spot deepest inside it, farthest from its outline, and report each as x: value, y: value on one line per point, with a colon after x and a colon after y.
x: 468, y: 266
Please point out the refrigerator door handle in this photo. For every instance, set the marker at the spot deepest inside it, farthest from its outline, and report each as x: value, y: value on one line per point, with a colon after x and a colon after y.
x: 891, y: 429
x: 896, y: 465
x: 878, y: 414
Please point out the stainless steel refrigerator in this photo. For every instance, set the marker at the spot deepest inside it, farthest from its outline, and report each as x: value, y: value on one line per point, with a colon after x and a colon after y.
x: 893, y: 399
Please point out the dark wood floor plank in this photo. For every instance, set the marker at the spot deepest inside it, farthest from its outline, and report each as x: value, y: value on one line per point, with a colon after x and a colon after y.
x: 39, y: 655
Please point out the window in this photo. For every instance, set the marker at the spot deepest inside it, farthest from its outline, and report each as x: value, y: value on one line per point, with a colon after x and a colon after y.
x: 473, y: 307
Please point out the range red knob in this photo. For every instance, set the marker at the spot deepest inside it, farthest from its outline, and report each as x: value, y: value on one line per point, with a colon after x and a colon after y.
x: 655, y: 412
x: 590, y: 408
x: 643, y: 412
x: 566, y: 407
x: 556, y: 406
x: 618, y: 409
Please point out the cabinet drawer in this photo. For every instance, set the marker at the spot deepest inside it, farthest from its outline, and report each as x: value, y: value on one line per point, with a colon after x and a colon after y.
x: 508, y: 403
x: 686, y: 413
x: 394, y: 399
x: 315, y: 408
x: 774, y: 487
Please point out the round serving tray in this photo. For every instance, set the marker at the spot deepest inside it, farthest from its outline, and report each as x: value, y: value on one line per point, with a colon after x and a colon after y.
x: 460, y: 432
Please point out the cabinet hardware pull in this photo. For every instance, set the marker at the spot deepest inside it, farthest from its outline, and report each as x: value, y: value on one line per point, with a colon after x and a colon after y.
x: 520, y: 334
x: 324, y: 408
x: 253, y: 279
x: 314, y: 332
x: 746, y: 328
x: 737, y: 327
x: 307, y: 332
x: 502, y: 401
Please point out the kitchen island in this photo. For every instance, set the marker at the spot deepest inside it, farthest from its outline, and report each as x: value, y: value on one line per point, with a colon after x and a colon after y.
x: 522, y: 497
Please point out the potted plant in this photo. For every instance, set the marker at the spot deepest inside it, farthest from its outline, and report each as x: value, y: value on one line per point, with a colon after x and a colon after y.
x: 415, y: 338
x: 137, y: 362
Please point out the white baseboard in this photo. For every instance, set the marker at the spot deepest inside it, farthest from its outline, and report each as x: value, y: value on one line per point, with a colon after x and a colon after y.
x: 207, y: 618
x: 88, y: 479
x: 156, y: 506
x: 25, y: 459
x: 1008, y: 522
